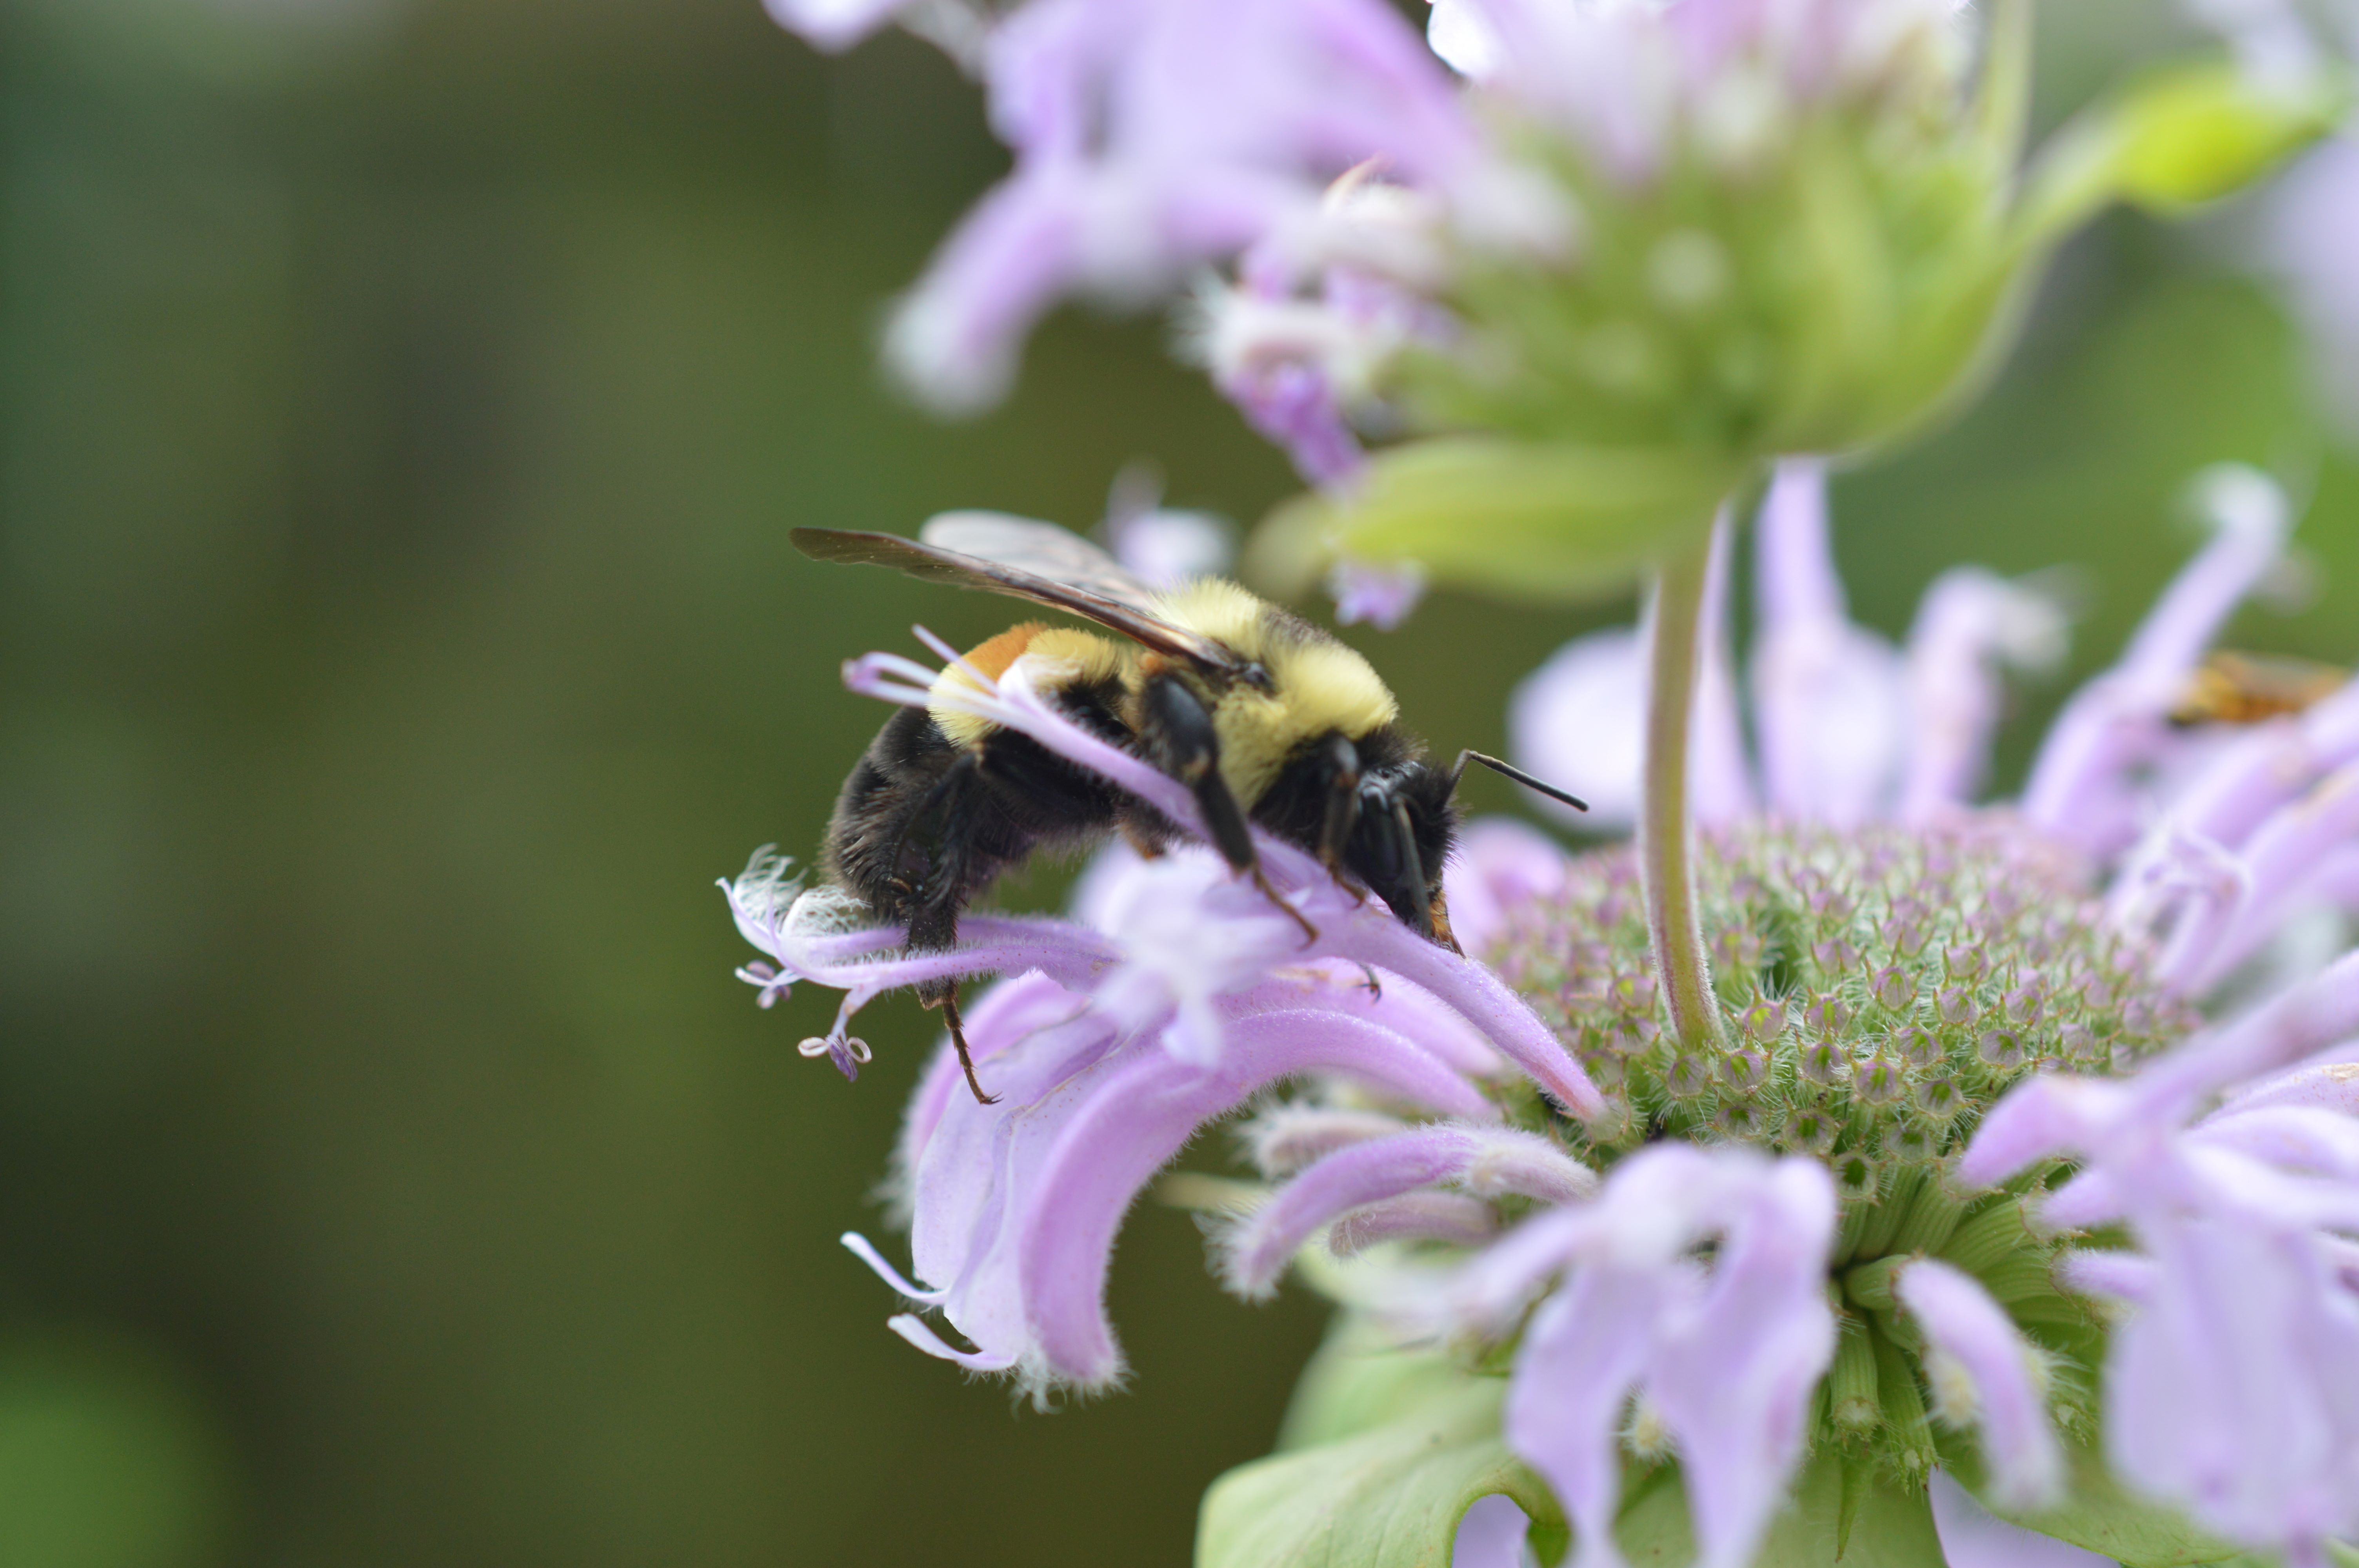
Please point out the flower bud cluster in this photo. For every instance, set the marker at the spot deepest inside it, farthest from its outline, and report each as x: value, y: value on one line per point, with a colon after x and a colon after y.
x: 1880, y: 989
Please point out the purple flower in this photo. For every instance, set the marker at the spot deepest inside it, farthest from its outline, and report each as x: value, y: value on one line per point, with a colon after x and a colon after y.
x: 1973, y: 1537
x: 2308, y: 229
x: 834, y: 24
x: 1161, y: 546
x: 2234, y: 1385
x: 1348, y: 183
x: 1489, y: 1162
x: 2083, y: 786
x: 1724, y: 1358
x: 1151, y: 136
x: 1501, y: 863
x: 1015, y: 1205
x: 1827, y: 695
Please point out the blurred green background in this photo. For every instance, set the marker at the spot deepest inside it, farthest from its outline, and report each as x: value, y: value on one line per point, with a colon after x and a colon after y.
x: 404, y: 409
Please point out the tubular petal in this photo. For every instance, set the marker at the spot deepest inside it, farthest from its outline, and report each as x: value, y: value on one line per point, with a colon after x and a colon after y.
x: 1004, y: 1014
x: 913, y: 1330
x: 1286, y: 1138
x: 1969, y: 621
x: 1413, y: 1216
x: 1735, y: 1379
x: 1142, y: 1110
x: 2082, y: 787
x: 1728, y: 1355
x: 1578, y: 722
x: 2281, y: 864
x: 1982, y: 1371
x: 1827, y: 695
x: 1257, y: 1250
x: 1585, y: 1349
x: 1483, y: 1000
x: 2121, y: 1276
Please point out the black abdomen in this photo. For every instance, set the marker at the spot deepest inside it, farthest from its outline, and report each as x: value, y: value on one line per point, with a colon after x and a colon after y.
x: 924, y: 825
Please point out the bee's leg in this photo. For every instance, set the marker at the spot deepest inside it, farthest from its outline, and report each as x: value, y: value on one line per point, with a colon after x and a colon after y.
x: 1141, y: 840
x: 1183, y: 740
x: 1373, y: 985
x: 1412, y: 882
x: 1269, y: 890
x: 958, y: 1038
x: 1442, y: 934
x: 936, y: 901
x: 1342, y: 766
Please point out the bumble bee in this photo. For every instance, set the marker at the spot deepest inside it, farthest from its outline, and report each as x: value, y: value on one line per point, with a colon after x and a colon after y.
x: 1266, y: 719
x: 2245, y: 689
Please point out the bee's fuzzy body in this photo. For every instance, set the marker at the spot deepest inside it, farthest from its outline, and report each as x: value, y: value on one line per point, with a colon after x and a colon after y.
x: 932, y: 814
x: 1267, y: 719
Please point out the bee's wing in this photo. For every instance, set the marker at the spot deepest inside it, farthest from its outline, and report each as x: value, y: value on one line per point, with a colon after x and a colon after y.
x: 1037, y: 561
x: 1042, y: 548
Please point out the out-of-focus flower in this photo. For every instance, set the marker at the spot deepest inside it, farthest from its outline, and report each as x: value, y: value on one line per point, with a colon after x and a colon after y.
x: 1382, y: 596
x: 1152, y: 135
x: 1607, y: 258
x: 2305, y: 229
x: 2310, y: 229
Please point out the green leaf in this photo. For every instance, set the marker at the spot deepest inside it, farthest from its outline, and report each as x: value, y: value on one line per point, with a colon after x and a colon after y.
x: 2175, y: 140
x: 1390, y: 1497
x: 2100, y: 1514
x: 1521, y: 519
x: 1361, y: 1380
x: 1891, y: 1527
x: 1384, y: 1450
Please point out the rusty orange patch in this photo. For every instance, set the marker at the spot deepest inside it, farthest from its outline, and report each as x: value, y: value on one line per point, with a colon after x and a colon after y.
x: 993, y: 656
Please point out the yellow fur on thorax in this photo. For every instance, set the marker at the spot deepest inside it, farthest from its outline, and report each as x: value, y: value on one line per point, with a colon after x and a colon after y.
x: 1053, y: 656
x: 1321, y: 684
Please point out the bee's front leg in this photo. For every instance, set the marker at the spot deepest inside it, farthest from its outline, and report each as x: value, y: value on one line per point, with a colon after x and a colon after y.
x: 1180, y: 736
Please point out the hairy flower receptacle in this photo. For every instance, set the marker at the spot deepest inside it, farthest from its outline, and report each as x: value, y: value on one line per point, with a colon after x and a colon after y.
x: 1827, y: 1063
x: 1900, y: 982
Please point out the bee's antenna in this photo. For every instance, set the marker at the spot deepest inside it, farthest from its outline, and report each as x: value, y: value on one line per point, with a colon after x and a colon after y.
x: 1521, y: 778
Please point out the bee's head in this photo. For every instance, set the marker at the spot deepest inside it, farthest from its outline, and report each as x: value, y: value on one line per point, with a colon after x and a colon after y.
x: 1408, y: 820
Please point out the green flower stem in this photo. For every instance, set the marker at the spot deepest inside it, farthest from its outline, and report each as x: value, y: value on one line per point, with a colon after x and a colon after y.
x: 1665, y: 836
